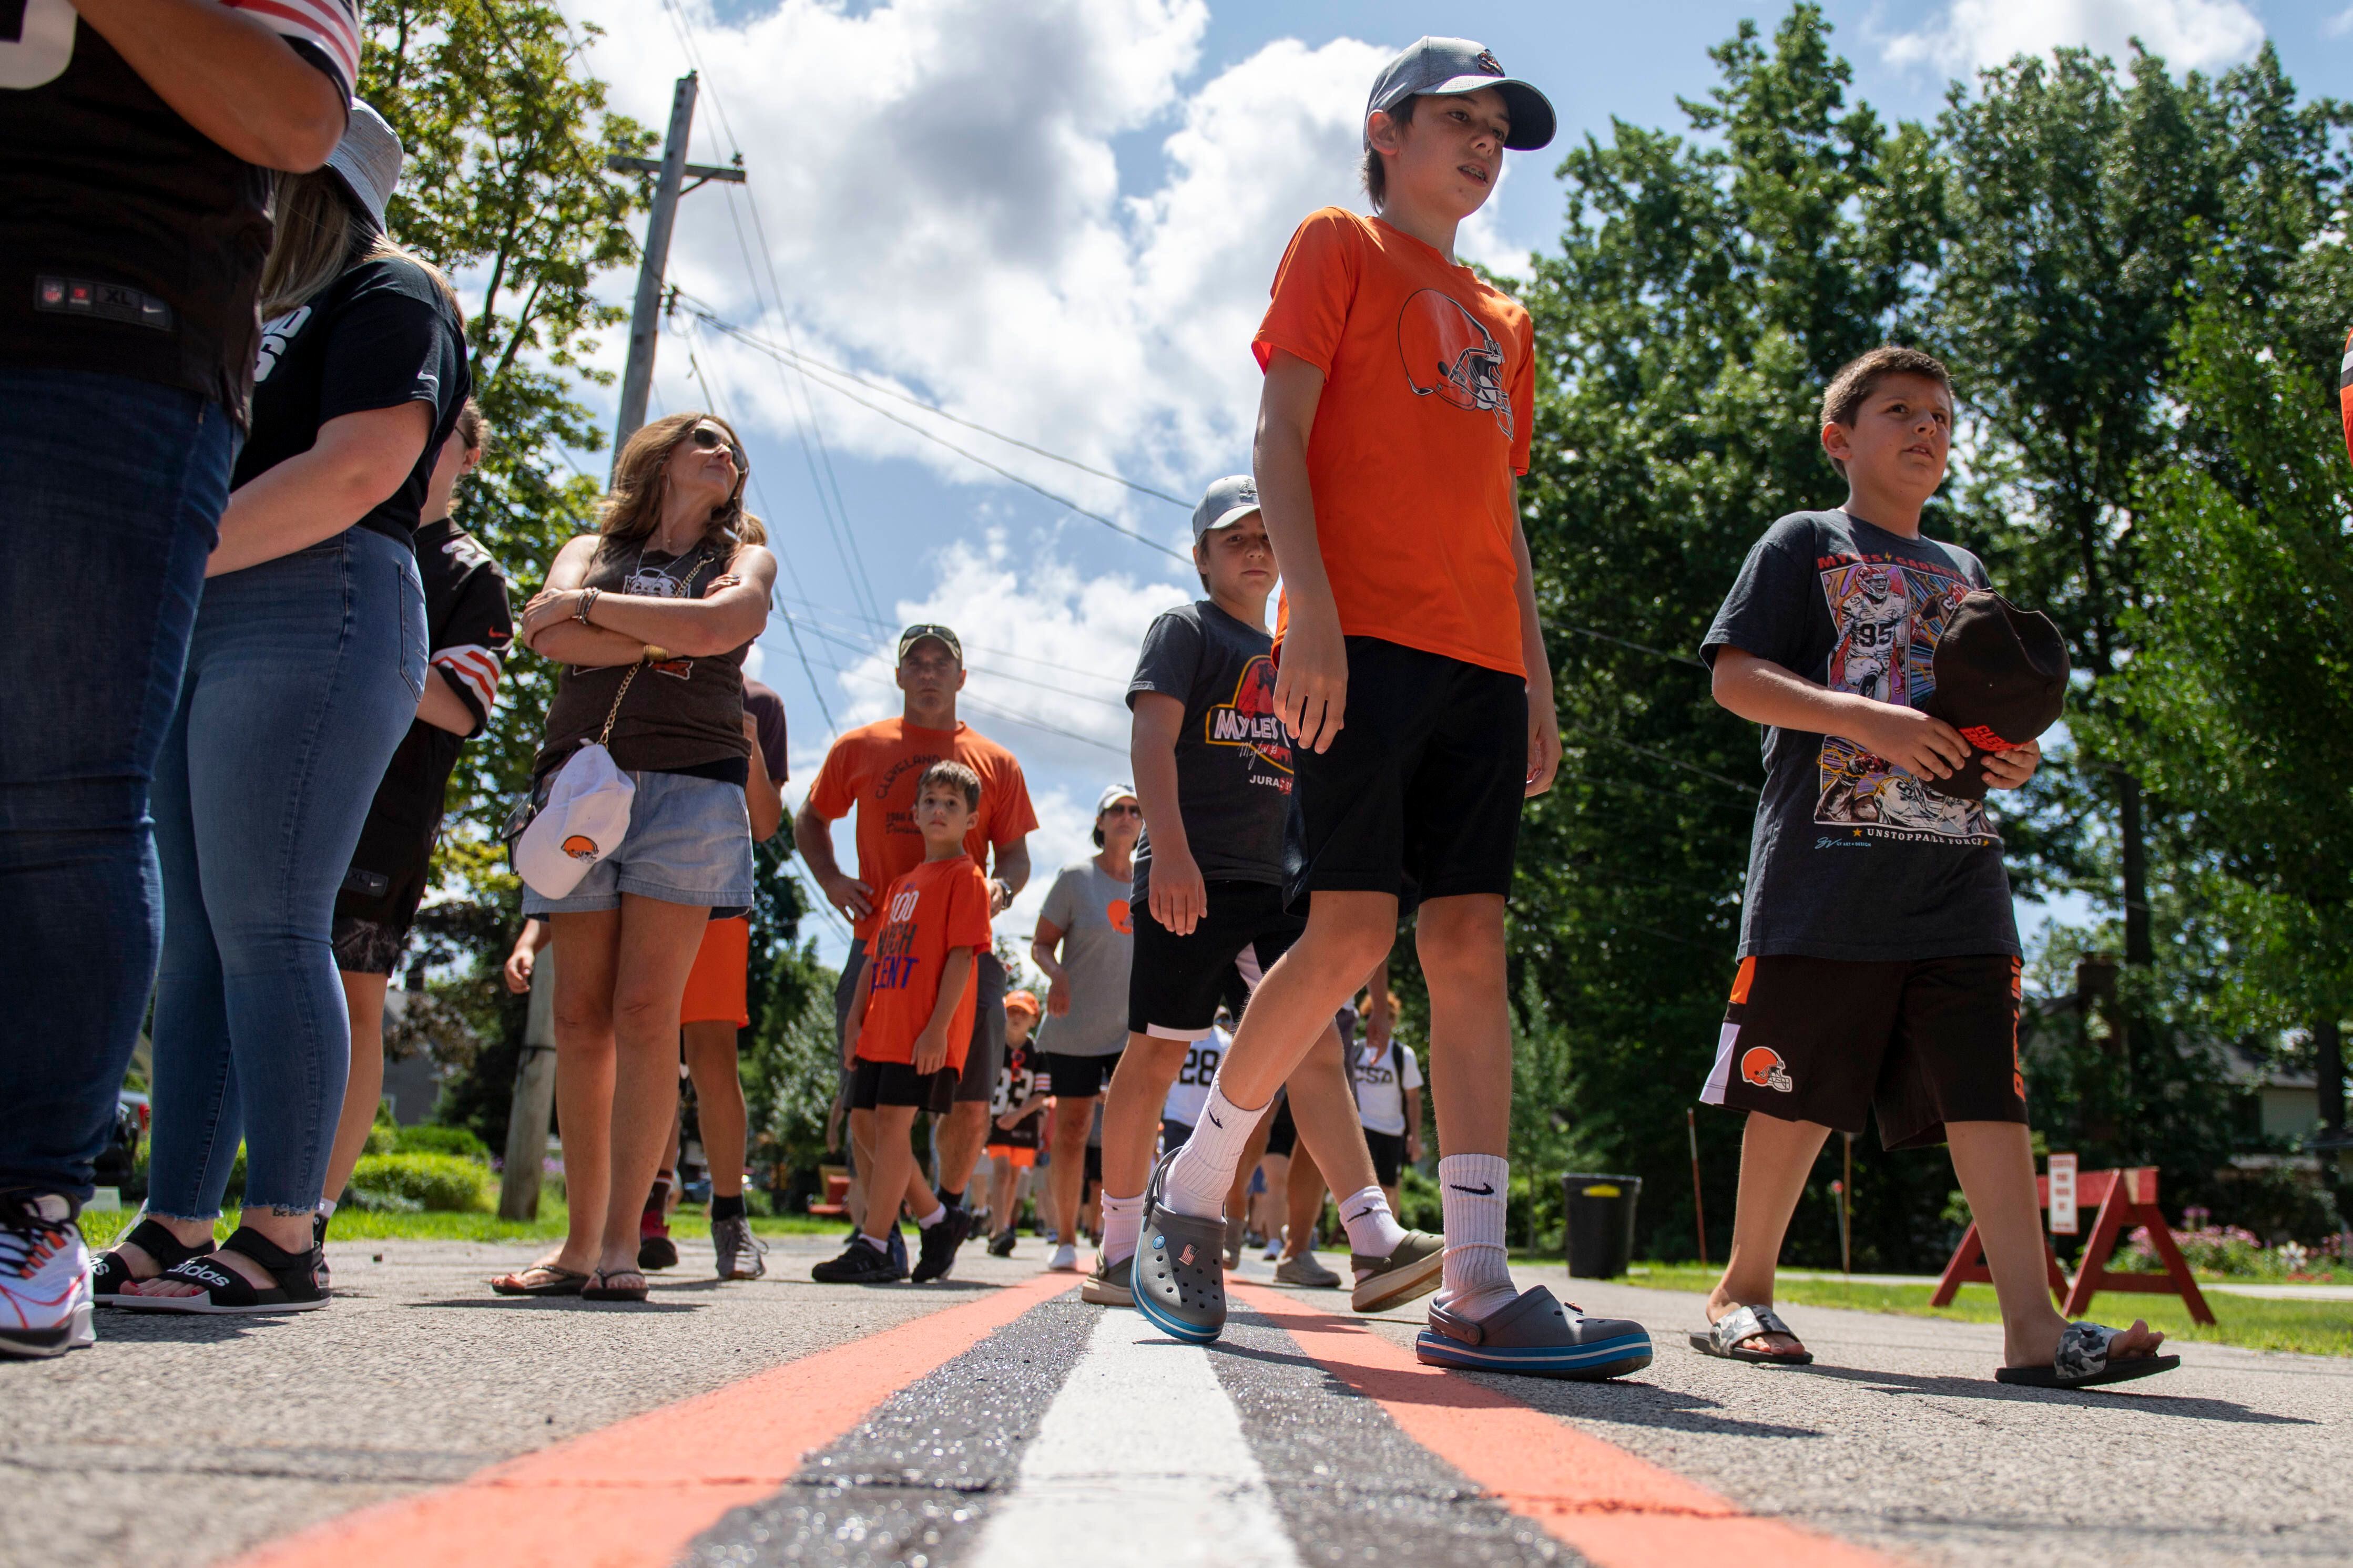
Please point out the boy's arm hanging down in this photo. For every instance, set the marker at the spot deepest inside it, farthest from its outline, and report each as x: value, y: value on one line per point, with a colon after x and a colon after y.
x: 1178, y: 899
x: 857, y: 1019
x: 1544, y: 716
x: 1311, y: 689
x: 931, y: 1052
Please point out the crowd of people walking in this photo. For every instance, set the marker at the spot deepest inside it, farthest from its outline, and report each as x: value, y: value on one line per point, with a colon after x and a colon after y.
x: 239, y: 418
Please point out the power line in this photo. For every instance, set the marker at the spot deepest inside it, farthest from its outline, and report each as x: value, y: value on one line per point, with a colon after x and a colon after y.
x: 825, y: 610
x: 818, y: 630
x: 749, y: 340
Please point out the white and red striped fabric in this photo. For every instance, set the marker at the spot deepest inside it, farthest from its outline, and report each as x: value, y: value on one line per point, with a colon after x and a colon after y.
x: 474, y: 668
x: 332, y: 26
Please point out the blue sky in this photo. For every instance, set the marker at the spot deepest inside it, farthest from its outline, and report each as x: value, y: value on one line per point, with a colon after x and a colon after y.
x: 1057, y: 219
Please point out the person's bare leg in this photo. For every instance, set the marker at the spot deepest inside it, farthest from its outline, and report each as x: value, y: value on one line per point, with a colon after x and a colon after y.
x: 586, y: 947
x: 1994, y: 1160
x: 1775, y: 1157
x: 1253, y: 1156
x: 1139, y: 1087
x: 962, y: 1134
x: 1390, y: 1194
x: 1067, y: 1180
x: 1324, y: 1109
x: 1303, y: 1201
x: 1346, y: 934
x: 1274, y: 1204
x: 894, y: 1172
x: 1460, y: 941
x: 712, y: 1062
x: 364, y: 1091
x: 1001, y: 1195
x: 861, y: 1149
x: 658, y: 941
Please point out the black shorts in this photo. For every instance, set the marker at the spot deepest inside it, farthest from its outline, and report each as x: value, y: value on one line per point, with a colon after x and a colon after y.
x: 983, y: 1055
x: 368, y: 947
x: 1921, y: 1042
x: 1173, y: 1135
x: 1419, y: 795
x: 1079, y: 1077
x: 1175, y: 984
x: 1022, y: 1134
x: 1281, y: 1134
x: 873, y: 1083
x: 1387, y: 1149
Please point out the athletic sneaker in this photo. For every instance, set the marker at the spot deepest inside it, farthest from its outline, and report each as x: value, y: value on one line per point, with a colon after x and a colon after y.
x: 1001, y: 1244
x: 1108, y: 1285
x: 939, y: 1243
x: 1064, y: 1261
x: 1535, y: 1336
x: 1413, y: 1269
x: 1305, y: 1270
x: 860, y: 1263
x: 1176, y: 1278
x: 898, y: 1250
x: 655, y: 1248
x: 319, y: 1269
x: 742, y: 1256
x: 1233, y: 1255
x: 1273, y: 1253
x: 45, y: 1302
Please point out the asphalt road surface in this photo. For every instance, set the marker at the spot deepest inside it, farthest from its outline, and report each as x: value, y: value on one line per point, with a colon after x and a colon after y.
x: 995, y: 1420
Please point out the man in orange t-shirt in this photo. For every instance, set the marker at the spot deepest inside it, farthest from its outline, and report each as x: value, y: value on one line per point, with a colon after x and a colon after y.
x: 911, y: 1023
x: 873, y: 771
x: 1414, y: 680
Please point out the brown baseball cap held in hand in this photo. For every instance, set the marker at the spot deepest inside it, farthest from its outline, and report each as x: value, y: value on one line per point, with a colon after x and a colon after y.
x: 2001, y: 680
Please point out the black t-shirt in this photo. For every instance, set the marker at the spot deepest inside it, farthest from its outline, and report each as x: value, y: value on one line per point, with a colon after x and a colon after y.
x: 767, y: 711
x: 1233, y: 761
x: 470, y: 629
x: 381, y: 335
x: 130, y: 244
x: 1854, y: 857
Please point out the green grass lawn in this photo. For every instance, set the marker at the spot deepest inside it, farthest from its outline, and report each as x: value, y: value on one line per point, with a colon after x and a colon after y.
x: 357, y: 1225
x: 2314, y: 1328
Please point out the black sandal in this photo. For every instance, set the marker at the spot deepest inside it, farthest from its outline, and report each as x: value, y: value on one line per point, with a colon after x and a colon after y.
x: 112, y: 1272
x: 227, y: 1291
x: 597, y: 1289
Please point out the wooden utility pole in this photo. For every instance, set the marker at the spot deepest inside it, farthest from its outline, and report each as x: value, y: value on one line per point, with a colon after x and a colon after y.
x: 645, y: 316
x: 535, y: 1098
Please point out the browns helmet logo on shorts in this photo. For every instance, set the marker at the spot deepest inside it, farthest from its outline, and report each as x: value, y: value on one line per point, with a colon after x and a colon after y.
x: 1763, y: 1066
x: 580, y: 847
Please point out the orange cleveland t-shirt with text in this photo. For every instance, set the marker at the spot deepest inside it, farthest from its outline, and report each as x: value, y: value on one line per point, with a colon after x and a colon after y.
x: 875, y: 769
x: 1428, y: 391
x: 927, y: 913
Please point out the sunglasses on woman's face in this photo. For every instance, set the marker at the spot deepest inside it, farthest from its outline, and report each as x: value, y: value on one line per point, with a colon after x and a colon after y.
x: 711, y: 440
x: 1125, y: 809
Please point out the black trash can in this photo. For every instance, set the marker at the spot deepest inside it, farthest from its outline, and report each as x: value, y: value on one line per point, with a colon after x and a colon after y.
x: 1600, y: 1211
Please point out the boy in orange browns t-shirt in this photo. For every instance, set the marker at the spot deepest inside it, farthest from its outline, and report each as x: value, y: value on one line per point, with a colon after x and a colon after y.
x: 1413, y: 677
x: 911, y: 1024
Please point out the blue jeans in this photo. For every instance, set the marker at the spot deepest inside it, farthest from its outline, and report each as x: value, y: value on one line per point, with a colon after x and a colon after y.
x: 110, y: 496
x: 303, y: 675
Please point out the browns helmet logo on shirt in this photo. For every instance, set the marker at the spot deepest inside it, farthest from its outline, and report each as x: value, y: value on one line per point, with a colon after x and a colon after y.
x: 1449, y: 352
x: 1763, y: 1065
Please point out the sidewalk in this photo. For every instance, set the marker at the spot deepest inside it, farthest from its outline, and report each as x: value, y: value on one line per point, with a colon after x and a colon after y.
x: 2220, y: 1286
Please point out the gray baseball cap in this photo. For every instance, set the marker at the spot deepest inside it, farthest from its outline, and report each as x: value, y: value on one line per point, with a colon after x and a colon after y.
x: 1458, y: 65
x: 368, y: 160
x: 1225, y: 503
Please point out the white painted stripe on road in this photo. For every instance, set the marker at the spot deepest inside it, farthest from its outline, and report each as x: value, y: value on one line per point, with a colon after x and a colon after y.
x: 1140, y: 1452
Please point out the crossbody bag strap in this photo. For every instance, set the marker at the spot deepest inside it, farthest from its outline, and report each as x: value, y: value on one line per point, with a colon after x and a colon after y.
x: 605, y: 734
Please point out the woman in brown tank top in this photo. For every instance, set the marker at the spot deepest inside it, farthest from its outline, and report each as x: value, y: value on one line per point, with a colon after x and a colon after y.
x: 650, y: 617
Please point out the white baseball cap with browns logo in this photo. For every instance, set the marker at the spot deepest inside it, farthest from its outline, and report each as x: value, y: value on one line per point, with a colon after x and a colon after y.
x: 585, y: 819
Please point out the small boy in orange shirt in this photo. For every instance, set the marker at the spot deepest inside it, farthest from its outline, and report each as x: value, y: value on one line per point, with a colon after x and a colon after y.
x: 1413, y: 681
x: 910, y: 1026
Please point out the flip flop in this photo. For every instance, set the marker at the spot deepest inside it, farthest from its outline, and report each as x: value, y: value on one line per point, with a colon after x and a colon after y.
x: 559, y: 1282
x: 2082, y: 1362
x: 597, y: 1289
x: 1737, y: 1328
x: 1535, y: 1336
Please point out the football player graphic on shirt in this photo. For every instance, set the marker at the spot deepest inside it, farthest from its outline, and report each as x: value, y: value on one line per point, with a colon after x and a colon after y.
x: 1250, y: 722
x: 1450, y: 353
x: 1888, y: 619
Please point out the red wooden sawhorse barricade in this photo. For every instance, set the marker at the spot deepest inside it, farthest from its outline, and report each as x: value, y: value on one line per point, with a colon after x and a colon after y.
x: 2126, y: 1199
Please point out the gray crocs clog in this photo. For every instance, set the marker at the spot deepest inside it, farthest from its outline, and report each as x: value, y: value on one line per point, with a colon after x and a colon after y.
x: 1535, y: 1336
x: 1177, y: 1276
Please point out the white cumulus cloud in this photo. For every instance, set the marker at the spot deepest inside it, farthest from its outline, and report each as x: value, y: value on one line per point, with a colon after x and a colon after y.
x: 2188, y: 33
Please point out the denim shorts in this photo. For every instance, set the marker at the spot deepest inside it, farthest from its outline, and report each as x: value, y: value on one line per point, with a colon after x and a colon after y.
x: 690, y: 842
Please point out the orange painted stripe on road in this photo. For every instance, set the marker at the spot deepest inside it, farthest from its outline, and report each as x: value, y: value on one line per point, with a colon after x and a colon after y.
x: 632, y: 1495
x: 1619, y: 1510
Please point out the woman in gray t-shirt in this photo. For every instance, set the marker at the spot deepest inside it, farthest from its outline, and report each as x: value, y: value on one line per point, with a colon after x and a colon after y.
x: 1084, y: 938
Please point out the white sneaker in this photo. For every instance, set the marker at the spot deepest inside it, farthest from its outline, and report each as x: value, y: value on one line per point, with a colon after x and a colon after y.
x: 1065, y: 1259
x: 1274, y: 1252
x: 45, y: 1295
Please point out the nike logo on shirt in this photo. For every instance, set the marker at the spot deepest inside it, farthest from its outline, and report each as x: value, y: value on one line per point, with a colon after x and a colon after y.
x: 1478, y: 1192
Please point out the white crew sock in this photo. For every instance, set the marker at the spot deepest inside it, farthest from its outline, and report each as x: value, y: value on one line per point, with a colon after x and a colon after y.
x: 1373, y: 1231
x: 327, y: 1207
x: 1203, y: 1170
x: 1477, y: 1281
x: 1122, y: 1222
x: 939, y: 1212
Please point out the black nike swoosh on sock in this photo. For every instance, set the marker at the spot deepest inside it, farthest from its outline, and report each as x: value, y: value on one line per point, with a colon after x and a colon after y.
x: 1352, y: 1218
x: 1213, y: 1119
x: 1480, y: 1192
